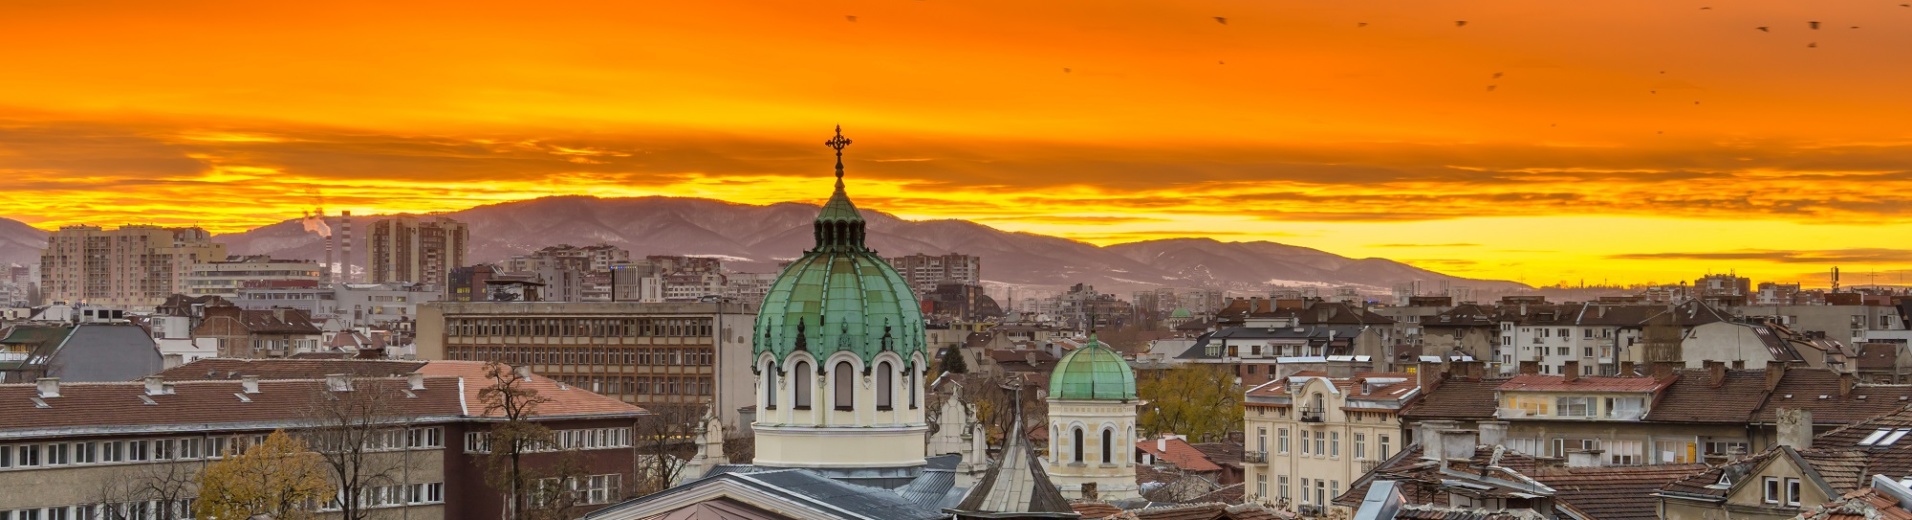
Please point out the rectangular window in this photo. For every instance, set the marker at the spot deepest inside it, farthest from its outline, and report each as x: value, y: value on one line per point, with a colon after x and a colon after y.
x: 1261, y: 485
x: 1334, y: 444
x: 1576, y: 406
x: 1281, y: 439
x: 1626, y: 408
x: 1772, y: 490
x: 1360, y: 446
x: 1281, y: 483
x: 1304, y: 491
x: 1383, y: 452
x: 1792, y: 492
x: 1305, y: 434
x: 1320, y: 444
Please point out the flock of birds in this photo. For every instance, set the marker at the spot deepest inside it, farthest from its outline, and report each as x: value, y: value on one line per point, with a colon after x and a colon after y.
x: 1811, y: 24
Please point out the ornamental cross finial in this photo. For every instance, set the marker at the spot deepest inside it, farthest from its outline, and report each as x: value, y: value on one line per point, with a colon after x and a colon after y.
x: 838, y: 143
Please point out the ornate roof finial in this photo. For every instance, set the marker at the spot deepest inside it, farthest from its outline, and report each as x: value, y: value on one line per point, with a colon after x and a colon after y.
x: 838, y: 143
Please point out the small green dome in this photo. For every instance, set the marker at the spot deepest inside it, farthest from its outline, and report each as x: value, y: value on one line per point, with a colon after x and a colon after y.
x: 1181, y: 312
x: 840, y: 296
x: 1093, y: 372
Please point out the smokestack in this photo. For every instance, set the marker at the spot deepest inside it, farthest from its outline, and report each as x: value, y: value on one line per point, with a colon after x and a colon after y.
x: 325, y: 274
x: 345, y: 246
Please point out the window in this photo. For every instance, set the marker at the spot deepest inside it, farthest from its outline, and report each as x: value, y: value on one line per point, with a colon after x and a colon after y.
x: 845, y: 376
x: 770, y: 388
x: 909, y: 380
x: 1334, y: 444
x: 1772, y: 490
x: 1626, y: 453
x: 1576, y: 406
x: 1675, y: 452
x: 1626, y: 408
x: 1281, y: 483
x: 1108, y: 445
x: 1792, y: 492
x: 1320, y: 444
x: 1077, y: 439
x: 1261, y: 485
x: 1261, y: 439
x: 1334, y: 489
x: 1305, y: 434
x: 1360, y: 446
x: 1281, y: 440
x: 1304, y: 491
x: 885, y: 386
x: 1382, y: 453
x: 800, y: 387
x: 1321, y: 492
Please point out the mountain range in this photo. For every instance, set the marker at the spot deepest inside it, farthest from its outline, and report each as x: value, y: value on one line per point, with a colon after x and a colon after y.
x: 755, y: 238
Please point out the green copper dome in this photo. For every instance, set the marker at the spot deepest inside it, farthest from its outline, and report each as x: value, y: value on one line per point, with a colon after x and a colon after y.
x: 1092, y: 372
x: 840, y: 296
x: 1181, y: 312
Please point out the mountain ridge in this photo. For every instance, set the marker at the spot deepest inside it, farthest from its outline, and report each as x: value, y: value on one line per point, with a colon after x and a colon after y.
x: 756, y: 237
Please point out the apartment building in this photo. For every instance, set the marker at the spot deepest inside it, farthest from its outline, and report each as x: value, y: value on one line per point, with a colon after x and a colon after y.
x: 923, y: 272
x: 224, y: 278
x: 642, y: 353
x: 1309, y: 436
x: 132, y: 267
x: 60, y: 458
x: 415, y: 250
x: 243, y: 333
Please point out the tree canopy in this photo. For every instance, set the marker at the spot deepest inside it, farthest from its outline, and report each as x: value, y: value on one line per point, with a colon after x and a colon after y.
x: 275, y: 479
x: 1201, y: 402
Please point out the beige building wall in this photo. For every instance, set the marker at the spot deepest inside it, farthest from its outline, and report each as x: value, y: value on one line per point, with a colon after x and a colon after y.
x: 828, y: 433
x: 1077, y: 473
x: 1341, y: 446
x: 132, y: 267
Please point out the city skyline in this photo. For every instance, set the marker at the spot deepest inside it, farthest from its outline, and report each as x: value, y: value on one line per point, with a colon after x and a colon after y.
x: 1619, y: 143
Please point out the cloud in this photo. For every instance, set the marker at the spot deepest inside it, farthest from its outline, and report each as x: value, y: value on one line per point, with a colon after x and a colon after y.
x: 1823, y: 256
x: 1456, y: 244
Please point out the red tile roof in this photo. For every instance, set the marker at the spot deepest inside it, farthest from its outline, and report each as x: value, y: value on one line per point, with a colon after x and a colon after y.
x: 1179, y: 453
x: 1547, y: 383
x: 565, y: 401
x: 234, y: 368
x: 1803, y: 388
x: 197, y: 405
x: 1462, y: 399
x: 1694, y: 398
x: 1612, y: 493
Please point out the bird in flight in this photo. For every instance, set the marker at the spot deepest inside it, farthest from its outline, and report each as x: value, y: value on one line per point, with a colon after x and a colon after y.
x: 1065, y: 70
x: 1360, y: 24
x: 1706, y: 8
x: 1221, y: 20
x: 1460, y: 23
x: 1763, y: 29
x: 1497, y: 75
x: 1490, y: 88
x: 851, y: 18
x: 1815, y: 25
x: 1813, y: 45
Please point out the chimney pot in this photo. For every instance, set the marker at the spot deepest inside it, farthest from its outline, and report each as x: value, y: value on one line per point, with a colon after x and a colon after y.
x: 49, y: 387
x: 250, y: 384
x: 415, y: 380
x: 1846, y: 381
x: 1715, y: 373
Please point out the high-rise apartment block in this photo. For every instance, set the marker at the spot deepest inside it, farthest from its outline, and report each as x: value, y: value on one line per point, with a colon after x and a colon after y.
x: 132, y: 267
x: 408, y: 249
x: 224, y: 278
x: 925, y: 272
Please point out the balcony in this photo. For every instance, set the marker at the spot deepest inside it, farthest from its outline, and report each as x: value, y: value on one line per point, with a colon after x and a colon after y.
x: 1311, y: 414
x: 1254, y: 457
x: 1308, y: 511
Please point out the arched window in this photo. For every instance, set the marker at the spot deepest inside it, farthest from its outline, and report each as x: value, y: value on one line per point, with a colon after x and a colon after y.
x: 909, y: 378
x: 800, y: 382
x: 1108, y: 445
x: 845, y: 392
x: 770, y: 387
x: 1055, y: 442
x: 885, y: 386
x: 1077, y: 432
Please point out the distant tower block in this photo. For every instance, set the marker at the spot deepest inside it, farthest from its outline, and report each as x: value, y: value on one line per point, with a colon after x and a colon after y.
x: 345, y: 230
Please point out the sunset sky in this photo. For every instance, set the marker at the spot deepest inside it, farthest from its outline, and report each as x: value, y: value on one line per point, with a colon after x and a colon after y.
x: 1624, y: 141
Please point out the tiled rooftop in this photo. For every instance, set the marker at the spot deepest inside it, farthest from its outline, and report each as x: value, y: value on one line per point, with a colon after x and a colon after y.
x: 1179, y: 453
x: 1612, y: 493
x: 1549, y: 383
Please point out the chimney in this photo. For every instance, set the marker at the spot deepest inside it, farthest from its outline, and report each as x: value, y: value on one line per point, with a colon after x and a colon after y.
x: 1161, y: 444
x: 1475, y: 369
x: 1570, y: 371
x: 1775, y: 372
x: 155, y: 385
x: 250, y: 384
x: 1846, y: 380
x: 1459, y: 444
x: 1664, y: 370
x: 338, y: 383
x: 1626, y: 368
x: 1795, y: 428
x: 49, y: 387
x: 1715, y: 373
x: 524, y: 372
x: 1529, y: 367
x: 1584, y: 458
x: 1739, y: 364
x: 415, y: 380
x: 1429, y: 376
x: 1493, y: 433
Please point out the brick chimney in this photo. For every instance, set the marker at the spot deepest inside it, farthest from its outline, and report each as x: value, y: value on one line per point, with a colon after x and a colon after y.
x: 1570, y: 371
x: 1715, y: 373
x: 1775, y: 372
x: 1795, y: 428
x: 1429, y: 376
x: 1663, y: 370
x: 1626, y: 368
x: 1529, y: 367
x: 1846, y: 381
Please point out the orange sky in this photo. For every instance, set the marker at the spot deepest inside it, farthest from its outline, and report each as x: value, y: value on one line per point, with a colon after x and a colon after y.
x: 1626, y: 141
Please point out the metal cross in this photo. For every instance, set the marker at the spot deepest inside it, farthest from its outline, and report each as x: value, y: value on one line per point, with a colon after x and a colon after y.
x: 838, y: 143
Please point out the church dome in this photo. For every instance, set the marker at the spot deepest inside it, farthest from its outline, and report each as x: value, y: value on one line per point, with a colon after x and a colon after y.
x: 1181, y: 313
x: 840, y: 296
x: 1093, y: 372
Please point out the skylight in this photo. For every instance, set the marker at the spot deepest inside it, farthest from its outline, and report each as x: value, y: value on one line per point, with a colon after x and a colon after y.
x: 1884, y: 437
x: 1874, y: 437
x: 1896, y: 435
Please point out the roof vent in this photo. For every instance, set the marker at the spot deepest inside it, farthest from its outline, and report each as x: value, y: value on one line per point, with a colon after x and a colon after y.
x: 155, y: 385
x: 38, y: 403
x: 49, y: 387
x: 242, y: 397
x: 148, y: 400
x: 250, y: 384
x: 415, y: 380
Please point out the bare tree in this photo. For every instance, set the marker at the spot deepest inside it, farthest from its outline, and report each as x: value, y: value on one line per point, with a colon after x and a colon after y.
x: 665, y: 441
x: 991, y: 399
x: 168, y: 484
x: 510, y: 441
x: 363, y: 433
